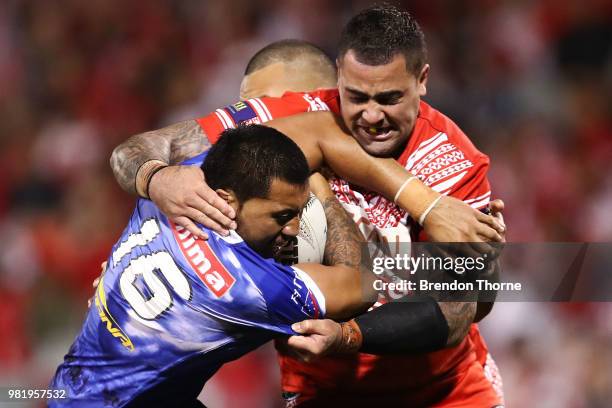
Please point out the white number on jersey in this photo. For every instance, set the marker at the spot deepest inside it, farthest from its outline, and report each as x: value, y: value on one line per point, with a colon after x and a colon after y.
x: 146, y: 265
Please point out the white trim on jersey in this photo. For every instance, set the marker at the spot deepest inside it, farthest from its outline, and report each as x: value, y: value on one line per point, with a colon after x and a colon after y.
x: 228, y: 123
x: 265, y: 108
x: 481, y: 203
x: 260, y: 112
x: 313, y: 287
x: 479, y: 198
x: 221, y: 120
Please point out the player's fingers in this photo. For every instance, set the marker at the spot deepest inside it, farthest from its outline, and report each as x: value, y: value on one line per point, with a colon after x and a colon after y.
x: 89, y: 302
x: 191, y: 227
x: 96, y: 282
x: 479, y: 249
x: 488, y: 234
x: 490, y: 221
x: 496, y: 206
x: 212, y: 198
x: 299, y: 342
x: 103, y: 266
x: 202, y: 218
x: 200, y: 211
x: 500, y: 219
x: 303, y: 327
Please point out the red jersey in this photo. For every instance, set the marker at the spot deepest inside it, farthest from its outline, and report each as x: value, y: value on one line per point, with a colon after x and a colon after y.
x: 441, y: 156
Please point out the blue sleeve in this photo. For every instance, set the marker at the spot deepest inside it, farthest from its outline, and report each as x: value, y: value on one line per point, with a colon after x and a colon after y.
x: 266, y: 294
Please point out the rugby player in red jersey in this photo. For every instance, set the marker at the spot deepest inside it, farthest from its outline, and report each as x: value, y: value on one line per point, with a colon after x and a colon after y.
x: 380, y: 104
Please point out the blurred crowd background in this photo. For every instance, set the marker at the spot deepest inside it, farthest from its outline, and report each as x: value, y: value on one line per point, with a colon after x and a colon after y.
x: 529, y: 81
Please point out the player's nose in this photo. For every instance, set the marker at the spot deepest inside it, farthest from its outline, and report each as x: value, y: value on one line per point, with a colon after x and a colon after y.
x: 292, y: 227
x: 372, y: 114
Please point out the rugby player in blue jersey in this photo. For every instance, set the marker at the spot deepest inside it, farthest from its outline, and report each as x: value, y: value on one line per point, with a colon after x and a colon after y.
x: 171, y: 309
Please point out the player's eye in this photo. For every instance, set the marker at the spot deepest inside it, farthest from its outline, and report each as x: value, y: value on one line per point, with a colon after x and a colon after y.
x: 358, y: 99
x: 389, y: 101
x: 392, y: 99
x: 284, y: 217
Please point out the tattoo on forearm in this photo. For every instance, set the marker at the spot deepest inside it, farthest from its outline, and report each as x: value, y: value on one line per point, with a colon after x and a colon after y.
x: 344, y: 240
x: 171, y: 144
x: 459, y: 316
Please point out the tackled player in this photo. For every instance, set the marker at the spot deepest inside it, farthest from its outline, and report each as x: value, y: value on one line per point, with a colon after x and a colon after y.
x: 382, y: 76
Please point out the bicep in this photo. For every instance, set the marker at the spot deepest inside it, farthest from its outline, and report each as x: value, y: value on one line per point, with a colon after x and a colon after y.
x: 187, y: 139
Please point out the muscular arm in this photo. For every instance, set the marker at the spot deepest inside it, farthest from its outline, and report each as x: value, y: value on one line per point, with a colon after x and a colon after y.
x: 171, y: 145
x: 343, y: 238
x: 345, y: 283
x: 320, y: 136
x: 459, y: 316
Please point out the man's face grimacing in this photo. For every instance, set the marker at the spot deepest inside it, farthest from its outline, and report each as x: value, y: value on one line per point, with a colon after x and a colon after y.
x: 268, y: 224
x: 380, y: 103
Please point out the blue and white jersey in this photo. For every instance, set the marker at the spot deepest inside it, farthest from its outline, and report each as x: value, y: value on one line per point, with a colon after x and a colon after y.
x: 170, y: 310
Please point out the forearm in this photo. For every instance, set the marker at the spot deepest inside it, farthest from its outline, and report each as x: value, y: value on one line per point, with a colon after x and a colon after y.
x: 418, y: 325
x: 486, y: 298
x: 414, y: 326
x: 170, y: 145
x: 321, y: 137
x: 459, y: 317
x: 344, y: 279
x: 343, y: 245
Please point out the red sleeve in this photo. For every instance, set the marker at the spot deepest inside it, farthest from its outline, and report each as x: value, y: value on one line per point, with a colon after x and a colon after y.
x: 255, y: 110
x: 472, y: 187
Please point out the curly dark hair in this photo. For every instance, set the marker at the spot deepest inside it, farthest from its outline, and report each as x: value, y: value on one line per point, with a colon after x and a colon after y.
x: 377, y: 34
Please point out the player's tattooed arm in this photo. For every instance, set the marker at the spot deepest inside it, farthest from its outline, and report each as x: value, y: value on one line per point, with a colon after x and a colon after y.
x: 170, y: 145
x: 459, y: 316
x: 344, y: 278
x: 343, y: 237
x: 180, y: 192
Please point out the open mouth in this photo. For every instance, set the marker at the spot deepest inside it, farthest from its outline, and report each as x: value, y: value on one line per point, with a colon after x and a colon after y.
x: 377, y: 133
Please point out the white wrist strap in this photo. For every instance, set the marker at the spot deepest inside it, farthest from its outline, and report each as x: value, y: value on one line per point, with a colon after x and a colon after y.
x: 408, y: 180
x: 428, y: 210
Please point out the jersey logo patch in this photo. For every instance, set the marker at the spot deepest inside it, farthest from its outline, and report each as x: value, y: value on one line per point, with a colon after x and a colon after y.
x: 204, y: 262
x: 241, y: 113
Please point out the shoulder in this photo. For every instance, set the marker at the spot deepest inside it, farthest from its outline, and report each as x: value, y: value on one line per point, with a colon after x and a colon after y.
x: 435, y: 127
x: 443, y: 156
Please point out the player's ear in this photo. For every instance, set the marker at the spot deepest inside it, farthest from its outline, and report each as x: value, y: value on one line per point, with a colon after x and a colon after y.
x: 422, y: 79
x: 229, y: 196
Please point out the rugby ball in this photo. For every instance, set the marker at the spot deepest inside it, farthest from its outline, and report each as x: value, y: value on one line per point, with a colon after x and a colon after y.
x: 313, y: 232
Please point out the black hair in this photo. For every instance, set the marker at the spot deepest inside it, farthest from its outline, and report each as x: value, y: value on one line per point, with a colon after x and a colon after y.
x: 288, y: 51
x: 377, y: 34
x: 247, y: 159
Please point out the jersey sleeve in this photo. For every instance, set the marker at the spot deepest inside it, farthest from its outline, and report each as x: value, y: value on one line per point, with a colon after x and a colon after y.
x: 298, y: 299
x: 251, y: 111
x: 286, y: 295
x: 451, y: 165
x: 474, y: 189
x: 262, y: 110
x: 454, y: 170
x: 237, y: 285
